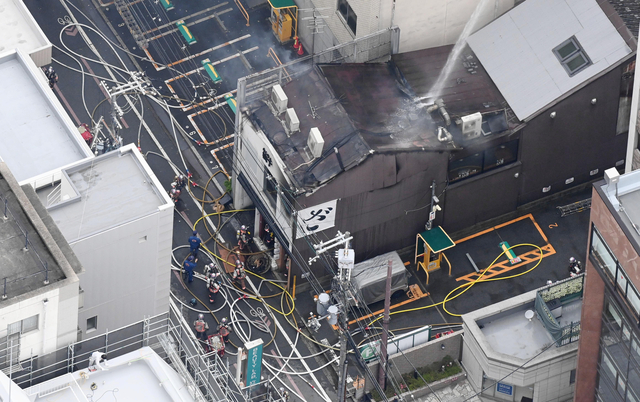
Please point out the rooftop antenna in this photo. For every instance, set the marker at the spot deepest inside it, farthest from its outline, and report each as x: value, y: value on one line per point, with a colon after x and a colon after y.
x: 316, y: 23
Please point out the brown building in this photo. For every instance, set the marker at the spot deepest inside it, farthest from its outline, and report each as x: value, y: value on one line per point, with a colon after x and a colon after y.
x: 609, y: 350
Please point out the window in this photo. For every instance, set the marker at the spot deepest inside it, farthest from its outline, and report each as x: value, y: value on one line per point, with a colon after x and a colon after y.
x: 92, y: 323
x: 271, y: 189
x: 572, y: 376
x: 624, y: 102
x: 349, y: 16
x: 572, y: 57
x: 604, y: 258
x: 23, y: 326
x: 484, y: 161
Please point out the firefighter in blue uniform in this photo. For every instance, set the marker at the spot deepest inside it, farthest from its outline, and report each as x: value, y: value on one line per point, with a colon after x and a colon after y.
x: 189, y: 266
x: 194, y: 244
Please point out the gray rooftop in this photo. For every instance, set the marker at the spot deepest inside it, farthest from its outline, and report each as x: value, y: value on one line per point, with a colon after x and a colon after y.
x: 517, y: 50
x: 36, y: 134
x: 514, y: 335
x: 104, y: 192
x: 25, y: 270
x: 20, y: 30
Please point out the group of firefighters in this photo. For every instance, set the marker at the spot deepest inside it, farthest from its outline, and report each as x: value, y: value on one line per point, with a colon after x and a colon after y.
x: 178, y: 184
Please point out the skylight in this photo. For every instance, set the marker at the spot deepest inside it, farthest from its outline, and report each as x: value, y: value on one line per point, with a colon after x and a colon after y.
x: 572, y: 57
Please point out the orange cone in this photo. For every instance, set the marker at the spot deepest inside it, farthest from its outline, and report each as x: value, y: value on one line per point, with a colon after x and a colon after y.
x: 296, y: 43
x: 300, y: 50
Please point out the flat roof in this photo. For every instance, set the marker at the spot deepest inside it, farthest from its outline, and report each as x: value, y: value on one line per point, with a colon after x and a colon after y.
x: 105, y: 192
x: 36, y: 134
x: 514, y: 335
x: 25, y: 270
x: 136, y: 376
x: 20, y: 30
x: 628, y: 197
x: 517, y: 50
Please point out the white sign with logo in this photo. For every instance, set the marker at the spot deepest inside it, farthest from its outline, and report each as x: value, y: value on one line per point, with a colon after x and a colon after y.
x: 316, y: 219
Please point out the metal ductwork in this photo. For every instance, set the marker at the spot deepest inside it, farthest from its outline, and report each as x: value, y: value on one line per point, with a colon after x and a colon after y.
x: 444, y: 135
x: 443, y: 111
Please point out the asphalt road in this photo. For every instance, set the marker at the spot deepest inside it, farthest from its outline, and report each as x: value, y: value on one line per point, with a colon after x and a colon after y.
x: 86, y: 54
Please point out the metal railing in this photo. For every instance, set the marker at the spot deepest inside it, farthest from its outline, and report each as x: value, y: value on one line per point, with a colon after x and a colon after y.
x: 27, y: 243
x: 207, y: 376
x: 560, y: 293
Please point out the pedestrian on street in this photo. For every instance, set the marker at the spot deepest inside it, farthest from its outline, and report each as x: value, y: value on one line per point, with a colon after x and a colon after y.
x: 224, y: 330
x: 189, y: 266
x: 239, y: 274
x: 201, y: 328
x: 194, y: 244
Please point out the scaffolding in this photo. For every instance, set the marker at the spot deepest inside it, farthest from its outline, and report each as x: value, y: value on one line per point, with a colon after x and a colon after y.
x: 207, y: 376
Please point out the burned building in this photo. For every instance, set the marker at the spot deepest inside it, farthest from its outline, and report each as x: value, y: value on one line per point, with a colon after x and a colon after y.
x: 359, y: 139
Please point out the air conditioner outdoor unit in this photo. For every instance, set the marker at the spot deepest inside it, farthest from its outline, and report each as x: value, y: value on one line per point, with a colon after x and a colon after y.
x: 315, y: 142
x: 291, y: 119
x: 472, y: 125
x: 279, y: 99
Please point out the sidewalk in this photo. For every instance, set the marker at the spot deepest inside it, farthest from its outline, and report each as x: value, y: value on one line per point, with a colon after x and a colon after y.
x: 462, y: 391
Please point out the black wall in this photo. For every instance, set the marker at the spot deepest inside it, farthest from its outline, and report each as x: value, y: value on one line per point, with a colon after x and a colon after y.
x: 582, y: 137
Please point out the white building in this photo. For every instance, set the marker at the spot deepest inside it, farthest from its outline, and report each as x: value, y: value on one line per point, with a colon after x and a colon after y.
x: 118, y: 220
x: 38, y: 277
x: 21, y: 31
x: 525, y: 348
x: 423, y: 23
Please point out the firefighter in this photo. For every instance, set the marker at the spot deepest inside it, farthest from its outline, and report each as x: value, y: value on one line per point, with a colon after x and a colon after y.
x: 174, y: 194
x: 213, y: 285
x: 180, y: 181
x: 51, y: 76
x: 201, y: 328
x: 194, y: 244
x: 575, y: 268
x: 269, y: 237
x: 239, y: 274
x: 244, y: 237
x: 224, y: 330
x: 189, y: 266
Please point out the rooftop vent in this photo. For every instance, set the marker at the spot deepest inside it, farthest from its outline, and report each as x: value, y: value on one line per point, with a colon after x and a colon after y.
x: 279, y: 99
x: 315, y: 142
x: 292, y: 122
x: 472, y: 125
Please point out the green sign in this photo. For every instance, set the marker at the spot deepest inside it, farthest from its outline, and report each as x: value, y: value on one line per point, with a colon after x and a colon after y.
x: 254, y: 362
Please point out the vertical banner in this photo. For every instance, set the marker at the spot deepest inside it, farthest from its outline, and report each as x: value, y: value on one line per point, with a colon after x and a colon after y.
x: 316, y: 219
x: 253, y: 362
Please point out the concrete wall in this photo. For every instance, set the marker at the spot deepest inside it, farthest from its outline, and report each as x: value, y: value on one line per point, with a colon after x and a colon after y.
x: 126, y: 277
x: 57, y: 320
x: 431, y: 23
x: 421, y: 356
x: 423, y: 23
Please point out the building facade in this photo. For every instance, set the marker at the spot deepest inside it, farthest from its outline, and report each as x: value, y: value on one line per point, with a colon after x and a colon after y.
x: 609, y: 353
x: 39, y: 278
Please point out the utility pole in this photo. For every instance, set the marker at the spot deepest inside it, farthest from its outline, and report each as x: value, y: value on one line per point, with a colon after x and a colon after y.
x: 382, y: 380
x: 346, y: 260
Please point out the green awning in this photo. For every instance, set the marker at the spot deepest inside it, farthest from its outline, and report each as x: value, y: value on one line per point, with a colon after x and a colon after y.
x: 282, y: 3
x: 437, y: 239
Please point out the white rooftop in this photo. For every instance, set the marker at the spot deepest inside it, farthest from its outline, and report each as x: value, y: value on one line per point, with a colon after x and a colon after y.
x: 36, y: 134
x: 136, y: 376
x: 105, y: 192
x: 517, y: 50
x: 21, y: 31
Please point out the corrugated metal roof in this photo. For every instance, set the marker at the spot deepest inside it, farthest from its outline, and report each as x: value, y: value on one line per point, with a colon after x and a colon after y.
x: 517, y: 50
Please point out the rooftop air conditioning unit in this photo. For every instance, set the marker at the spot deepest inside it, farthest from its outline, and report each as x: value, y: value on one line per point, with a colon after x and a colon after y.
x: 472, y: 125
x: 279, y: 99
x: 291, y: 118
x: 315, y: 142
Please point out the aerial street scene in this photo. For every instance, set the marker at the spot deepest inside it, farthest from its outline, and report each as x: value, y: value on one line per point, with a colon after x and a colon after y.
x: 319, y: 201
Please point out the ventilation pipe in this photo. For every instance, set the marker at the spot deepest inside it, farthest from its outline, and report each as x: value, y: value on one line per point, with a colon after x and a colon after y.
x: 439, y: 106
x: 444, y: 135
x: 443, y: 111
